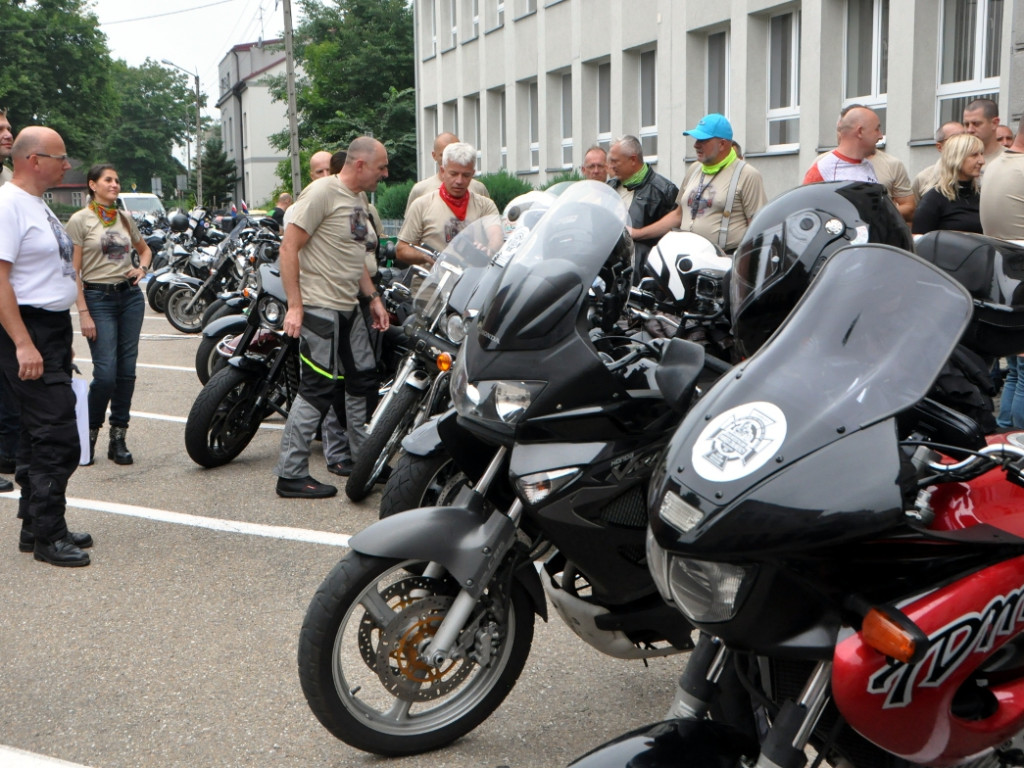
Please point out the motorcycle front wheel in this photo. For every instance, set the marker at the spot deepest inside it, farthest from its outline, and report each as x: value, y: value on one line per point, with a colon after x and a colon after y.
x: 421, y: 481
x: 383, y: 442
x: 221, y: 423
x: 360, y: 664
x: 208, y: 359
x: 156, y: 295
x: 183, y: 318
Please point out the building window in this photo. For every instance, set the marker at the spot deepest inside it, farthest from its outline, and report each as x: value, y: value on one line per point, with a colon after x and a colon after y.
x: 784, y: 81
x: 970, y: 45
x: 453, y: 22
x: 474, y: 12
x: 867, y: 54
x: 429, y: 29
x: 718, y: 74
x: 534, y: 106
x: 503, y: 130
x: 604, y: 106
x: 245, y: 130
x: 48, y: 198
x: 471, y: 134
x: 77, y: 198
x: 567, y: 121
x: 527, y: 7
x: 500, y: 12
x: 649, y: 105
x: 451, y: 117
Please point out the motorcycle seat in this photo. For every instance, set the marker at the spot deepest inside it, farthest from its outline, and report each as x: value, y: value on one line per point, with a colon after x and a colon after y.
x: 677, y: 373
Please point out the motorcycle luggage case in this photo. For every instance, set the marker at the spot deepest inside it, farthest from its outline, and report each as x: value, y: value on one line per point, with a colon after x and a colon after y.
x: 992, y: 270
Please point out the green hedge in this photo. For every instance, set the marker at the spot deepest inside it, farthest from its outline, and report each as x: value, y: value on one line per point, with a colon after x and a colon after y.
x: 503, y: 187
x: 391, y: 199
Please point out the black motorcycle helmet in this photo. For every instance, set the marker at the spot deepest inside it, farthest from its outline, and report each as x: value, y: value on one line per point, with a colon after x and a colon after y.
x: 790, y: 239
x: 179, y: 222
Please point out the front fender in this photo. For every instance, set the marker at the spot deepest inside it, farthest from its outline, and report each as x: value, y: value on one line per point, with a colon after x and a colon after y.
x: 463, y: 541
x: 425, y: 440
x: 674, y: 744
x: 176, y: 278
x: 227, y: 324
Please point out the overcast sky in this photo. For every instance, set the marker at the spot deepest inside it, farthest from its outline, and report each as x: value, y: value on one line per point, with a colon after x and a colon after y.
x: 194, y: 34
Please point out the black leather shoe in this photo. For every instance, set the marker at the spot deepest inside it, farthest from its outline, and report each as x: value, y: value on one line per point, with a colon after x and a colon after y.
x: 6, y: 485
x: 304, y: 488
x: 62, y: 552
x: 342, y: 468
x: 27, y: 540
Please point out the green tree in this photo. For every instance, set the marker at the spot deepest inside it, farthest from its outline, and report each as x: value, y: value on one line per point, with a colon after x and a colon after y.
x: 55, y: 70
x: 358, y: 61
x: 152, y: 110
x: 219, y: 175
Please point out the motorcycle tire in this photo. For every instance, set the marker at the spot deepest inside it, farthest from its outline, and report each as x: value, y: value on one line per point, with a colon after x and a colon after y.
x: 156, y: 295
x: 217, y: 429
x: 185, y: 320
x: 383, y: 442
x: 216, y: 309
x: 208, y: 360
x: 359, y: 662
x: 421, y: 481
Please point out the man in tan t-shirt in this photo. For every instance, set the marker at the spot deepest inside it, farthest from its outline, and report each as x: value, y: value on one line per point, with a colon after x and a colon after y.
x: 323, y: 270
x: 1002, y: 193
x: 437, y: 217
x: 433, y: 182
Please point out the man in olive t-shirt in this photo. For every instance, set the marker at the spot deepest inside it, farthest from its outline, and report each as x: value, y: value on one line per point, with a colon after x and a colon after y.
x: 323, y: 269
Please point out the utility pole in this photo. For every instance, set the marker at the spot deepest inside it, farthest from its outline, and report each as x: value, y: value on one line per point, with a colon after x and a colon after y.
x: 293, y: 120
x: 199, y: 130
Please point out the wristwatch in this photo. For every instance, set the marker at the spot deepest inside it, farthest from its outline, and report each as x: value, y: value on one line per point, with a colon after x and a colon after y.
x: 374, y: 295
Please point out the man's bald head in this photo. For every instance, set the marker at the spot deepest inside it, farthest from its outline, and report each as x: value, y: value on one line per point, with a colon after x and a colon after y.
x: 859, y: 131
x: 34, y: 138
x: 366, y: 164
x: 440, y: 143
x: 320, y: 164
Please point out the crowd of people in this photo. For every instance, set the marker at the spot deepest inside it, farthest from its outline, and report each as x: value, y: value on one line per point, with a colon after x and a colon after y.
x: 328, y: 257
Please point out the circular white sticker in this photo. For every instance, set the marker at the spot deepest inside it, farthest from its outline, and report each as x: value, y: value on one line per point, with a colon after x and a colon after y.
x: 739, y: 441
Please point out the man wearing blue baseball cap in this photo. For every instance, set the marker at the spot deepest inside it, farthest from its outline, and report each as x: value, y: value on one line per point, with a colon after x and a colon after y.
x: 721, y: 192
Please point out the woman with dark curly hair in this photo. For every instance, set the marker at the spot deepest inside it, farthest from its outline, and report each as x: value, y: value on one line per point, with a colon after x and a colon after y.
x: 110, y: 304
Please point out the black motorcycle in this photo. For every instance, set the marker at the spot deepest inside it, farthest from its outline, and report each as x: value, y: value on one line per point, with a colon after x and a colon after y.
x: 422, y: 629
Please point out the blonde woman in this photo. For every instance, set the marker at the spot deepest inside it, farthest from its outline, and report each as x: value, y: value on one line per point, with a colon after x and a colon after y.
x: 953, y: 202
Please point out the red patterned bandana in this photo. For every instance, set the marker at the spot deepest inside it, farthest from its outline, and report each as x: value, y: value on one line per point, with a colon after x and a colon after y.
x: 459, y: 206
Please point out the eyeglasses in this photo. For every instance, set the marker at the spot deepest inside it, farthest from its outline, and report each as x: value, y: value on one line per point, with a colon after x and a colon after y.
x: 62, y: 158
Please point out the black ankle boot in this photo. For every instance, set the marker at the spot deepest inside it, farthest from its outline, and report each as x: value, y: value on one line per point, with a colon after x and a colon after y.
x: 93, y: 434
x: 118, y: 451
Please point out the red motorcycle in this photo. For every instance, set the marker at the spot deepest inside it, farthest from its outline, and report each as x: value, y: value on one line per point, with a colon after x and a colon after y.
x: 851, y: 549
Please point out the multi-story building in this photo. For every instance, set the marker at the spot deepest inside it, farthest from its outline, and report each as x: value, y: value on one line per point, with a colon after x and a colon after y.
x: 249, y: 116
x: 534, y: 83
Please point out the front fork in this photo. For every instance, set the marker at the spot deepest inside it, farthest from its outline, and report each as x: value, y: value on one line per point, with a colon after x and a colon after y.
x: 441, y: 646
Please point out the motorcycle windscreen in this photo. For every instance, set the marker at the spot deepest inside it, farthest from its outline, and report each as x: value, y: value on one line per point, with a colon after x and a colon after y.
x: 538, y: 299
x: 865, y: 342
x: 471, y: 251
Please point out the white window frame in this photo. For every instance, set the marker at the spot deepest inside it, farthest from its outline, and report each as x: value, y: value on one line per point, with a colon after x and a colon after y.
x: 533, y: 103
x: 453, y: 22
x: 979, y: 86
x: 604, y: 103
x: 500, y: 12
x: 78, y: 198
x: 877, y: 98
x: 792, y: 111
x: 727, y: 41
x: 650, y: 130
x: 431, y: 6
x: 475, y: 16
x: 566, y: 120
x: 503, y: 129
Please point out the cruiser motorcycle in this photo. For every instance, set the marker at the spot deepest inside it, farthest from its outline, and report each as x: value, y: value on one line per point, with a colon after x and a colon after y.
x: 851, y: 549
x: 421, y: 630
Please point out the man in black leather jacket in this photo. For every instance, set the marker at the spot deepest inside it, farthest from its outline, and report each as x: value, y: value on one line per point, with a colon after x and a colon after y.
x: 647, y: 194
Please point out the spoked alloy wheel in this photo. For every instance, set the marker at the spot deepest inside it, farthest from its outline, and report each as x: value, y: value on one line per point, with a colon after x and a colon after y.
x: 421, y: 481
x: 179, y: 315
x: 219, y: 426
x: 360, y: 660
x: 156, y: 295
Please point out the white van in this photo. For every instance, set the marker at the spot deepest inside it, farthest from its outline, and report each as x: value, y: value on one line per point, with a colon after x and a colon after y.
x: 140, y: 203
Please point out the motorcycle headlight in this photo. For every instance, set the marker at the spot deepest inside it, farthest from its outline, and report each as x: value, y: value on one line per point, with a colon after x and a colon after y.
x: 705, y: 592
x: 272, y: 312
x: 455, y: 328
x: 504, y: 402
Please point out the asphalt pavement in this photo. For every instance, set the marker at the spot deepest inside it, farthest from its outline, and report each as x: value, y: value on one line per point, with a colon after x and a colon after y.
x: 177, y: 646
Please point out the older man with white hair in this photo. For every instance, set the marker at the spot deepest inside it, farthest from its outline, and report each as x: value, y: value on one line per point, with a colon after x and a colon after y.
x: 435, y: 218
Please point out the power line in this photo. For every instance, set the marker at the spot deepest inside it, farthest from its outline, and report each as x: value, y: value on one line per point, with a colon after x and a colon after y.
x: 161, y: 15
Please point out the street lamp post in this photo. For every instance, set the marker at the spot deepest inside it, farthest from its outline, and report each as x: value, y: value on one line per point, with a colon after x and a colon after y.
x: 199, y: 132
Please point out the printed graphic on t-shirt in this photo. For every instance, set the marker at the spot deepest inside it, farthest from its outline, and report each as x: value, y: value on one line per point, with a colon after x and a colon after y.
x: 700, y: 201
x: 64, y: 245
x: 114, y: 245
x: 452, y: 228
x: 359, y: 224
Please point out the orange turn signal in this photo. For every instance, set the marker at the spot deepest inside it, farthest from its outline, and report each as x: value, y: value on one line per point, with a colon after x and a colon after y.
x: 887, y: 636
x: 444, y: 362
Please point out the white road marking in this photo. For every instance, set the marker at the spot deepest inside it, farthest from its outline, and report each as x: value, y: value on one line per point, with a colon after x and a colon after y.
x: 183, y: 420
x: 154, y: 366
x: 212, y: 523
x: 19, y: 758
